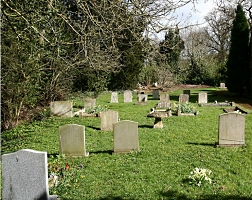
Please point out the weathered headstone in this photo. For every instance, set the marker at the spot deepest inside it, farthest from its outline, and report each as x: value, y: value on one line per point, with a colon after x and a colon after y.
x: 127, y: 96
x: 186, y: 92
x: 125, y: 136
x: 61, y: 108
x: 108, y: 118
x: 155, y: 94
x: 231, y: 129
x: 202, y: 97
x: 72, y: 140
x: 165, y: 97
x: 183, y: 98
x: 25, y: 176
x: 114, y: 97
x: 142, y: 97
x: 222, y: 86
x: 164, y: 101
x: 89, y: 103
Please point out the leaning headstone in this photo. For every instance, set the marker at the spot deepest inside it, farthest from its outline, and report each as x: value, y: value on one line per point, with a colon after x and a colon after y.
x: 89, y: 103
x: 142, y: 97
x: 231, y: 129
x: 72, y: 140
x: 186, y: 92
x: 183, y: 98
x: 114, y: 97
x: 108, y: 118
x: 61, y: 108
x: 127, y: 96
x: 202, y: 97
x: 155, y: 94
x: 125, y: 136
x: 25, y: 176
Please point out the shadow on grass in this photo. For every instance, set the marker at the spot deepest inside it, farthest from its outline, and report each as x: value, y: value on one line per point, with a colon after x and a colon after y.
x: 202, y: 143
x: 145, y: 126
x: 101, y: 152
x: 114, y: 198
x: 174, y: 195
x: 95, y: 128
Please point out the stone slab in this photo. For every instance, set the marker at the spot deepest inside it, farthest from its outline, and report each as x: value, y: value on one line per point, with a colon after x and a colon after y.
x: 25, y: 176
x: 61, y: 108
x: 127, y: 96
x: 202, y: 97
x: 108, y: 118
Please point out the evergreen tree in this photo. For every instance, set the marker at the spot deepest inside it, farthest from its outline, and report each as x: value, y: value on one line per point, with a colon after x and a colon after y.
x: 238, y: 60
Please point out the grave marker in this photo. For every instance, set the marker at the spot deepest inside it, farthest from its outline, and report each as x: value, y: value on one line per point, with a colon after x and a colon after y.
x: 114, y: 97
x: 108, y: 118
x: 25, y: 176
x: 125, y: 136
x: 61, y: 108
x: 89, y: 103
x: 155, y: 94
x: 142, y: 97
x: 231, y: 129
x: 72, y: 140
x: 222, y: 86
x: 127, y: 96
x: 164, y: 101
x: 183, y: 98
x: 202, y: 97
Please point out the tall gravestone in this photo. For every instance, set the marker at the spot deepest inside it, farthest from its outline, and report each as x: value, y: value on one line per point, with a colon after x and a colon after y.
x: 231, y: 129
x: 89, y: 103
x: 25, y: 176
x: 72, y: 140
x: 125, y: 136
x: 127, y: 96
x: 61, y: 108
x: 155, y: 94
x: 202, y: 97
x: 183, y: 98
x: 114, y: 97
x: 108, y: 118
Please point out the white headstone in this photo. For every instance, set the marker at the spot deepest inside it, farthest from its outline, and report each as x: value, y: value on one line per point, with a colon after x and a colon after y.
x: 114, y: 97
x: 202, y: 97
x: 142, y: 97
x: 72, y: 140
x: 127, y: 96
x: 25, y: 176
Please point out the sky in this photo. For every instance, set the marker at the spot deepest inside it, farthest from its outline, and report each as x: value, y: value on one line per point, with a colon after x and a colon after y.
x: 202, y: 7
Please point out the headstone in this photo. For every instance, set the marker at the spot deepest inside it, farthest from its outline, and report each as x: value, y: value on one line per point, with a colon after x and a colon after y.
x: 165, y: 97
x: 61, y: 108
x: 114, y: 97
x: 72, y: 140
x: 202, y: 97
x: 231, y: 129
x: 155, y: 94
x: 25, y: 176
x: 108, y: 118
x: 222, y: 86
x: 89, y: 103
x: 142, y: 97
x: 127, y: 96
x: 125, y: 136
x: 186, y: 92
x: 183, y: 98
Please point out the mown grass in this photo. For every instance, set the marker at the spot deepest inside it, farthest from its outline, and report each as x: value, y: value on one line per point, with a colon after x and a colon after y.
x: 159, y: 171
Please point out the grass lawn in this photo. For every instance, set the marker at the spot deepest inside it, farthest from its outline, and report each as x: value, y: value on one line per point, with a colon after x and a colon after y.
x: 159, y: 171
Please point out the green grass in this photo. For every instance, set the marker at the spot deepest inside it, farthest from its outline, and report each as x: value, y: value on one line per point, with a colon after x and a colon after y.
x: 160, y: 170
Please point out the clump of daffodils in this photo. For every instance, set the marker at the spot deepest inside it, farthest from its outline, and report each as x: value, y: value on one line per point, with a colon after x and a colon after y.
x: 200, y: 175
